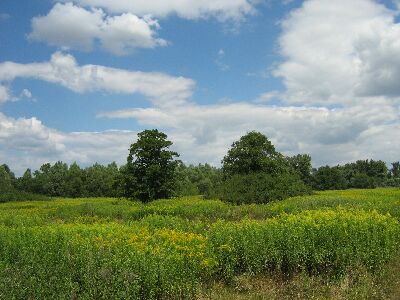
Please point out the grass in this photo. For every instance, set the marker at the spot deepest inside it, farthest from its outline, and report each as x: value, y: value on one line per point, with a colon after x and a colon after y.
x: 330, y: 245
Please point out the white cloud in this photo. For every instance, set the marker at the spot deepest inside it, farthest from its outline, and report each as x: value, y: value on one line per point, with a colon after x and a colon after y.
x: 161, y: 89
x: 338, y: 51
x: 124, y: 33
x: 70, y: 26
x: 329, y: 135
x: 28, y: 135
x: 380, y: 62
x: 26, y: 93
x: 27, y: 143
x: 203, y: 133
x: 269, y: 96
x: 4, y: 94
x: 223, y: 10
x: 336, y: 54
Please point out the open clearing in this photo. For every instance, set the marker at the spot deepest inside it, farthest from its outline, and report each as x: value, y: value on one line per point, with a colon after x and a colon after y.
x: 331, y: 245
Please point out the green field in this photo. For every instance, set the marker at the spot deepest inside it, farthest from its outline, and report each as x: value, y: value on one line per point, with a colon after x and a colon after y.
x: 331, y: 245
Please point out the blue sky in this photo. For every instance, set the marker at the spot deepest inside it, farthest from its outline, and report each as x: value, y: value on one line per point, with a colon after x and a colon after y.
x: 79, y: 79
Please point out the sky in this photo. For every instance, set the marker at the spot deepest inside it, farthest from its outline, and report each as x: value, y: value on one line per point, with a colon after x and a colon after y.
x: 79, y: 79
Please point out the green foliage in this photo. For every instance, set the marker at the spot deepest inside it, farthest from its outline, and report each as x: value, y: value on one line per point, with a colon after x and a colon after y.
x: 5, y: 180
x: 383, y: 200
x: 151, y: 169
x: 254, y: 172
x: 253, y: 153
x: 301, y: 164
x: 395, y: 170
x: 168, y: 249
x: 26, y: 182
x: 101, y: 262
x: 15, y: 195
x: 7, y: 190
x: 329, y: 178
x: 74, y: 181
x: 101, y: 180
x: 61, y: 180
x: 197, y: 180
x: 393, y: 182
x: 360, y: 174
x: 362, y: 181
x: 262, y: 188
x: 313, y: 241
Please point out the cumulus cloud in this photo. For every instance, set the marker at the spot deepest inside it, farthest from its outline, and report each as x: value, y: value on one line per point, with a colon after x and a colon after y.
x: 203, y: 133
x: 339, y: 51
x: 340, y: 67
x: 28, y: 135
x: 210, y: 129
x: 70, y: 26
x: 160, y: 88
x: 223, y: 10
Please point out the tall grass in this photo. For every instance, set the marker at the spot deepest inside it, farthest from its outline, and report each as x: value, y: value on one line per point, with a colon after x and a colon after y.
x: 328, y: 241
x: 114, y: 248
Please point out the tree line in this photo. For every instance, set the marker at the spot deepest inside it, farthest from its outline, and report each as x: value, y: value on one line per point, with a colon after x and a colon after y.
x: 252, y: 171
x: 63, y: 180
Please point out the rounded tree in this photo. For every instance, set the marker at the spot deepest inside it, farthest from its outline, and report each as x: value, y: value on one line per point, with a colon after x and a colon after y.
x: 252, y: 153
x: 254, y: 172
x: 150, y: 172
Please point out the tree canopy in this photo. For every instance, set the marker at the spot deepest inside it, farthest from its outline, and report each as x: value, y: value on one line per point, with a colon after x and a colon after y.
x: 254, y: 172
x: 150, y: 172
x: 252, y: 153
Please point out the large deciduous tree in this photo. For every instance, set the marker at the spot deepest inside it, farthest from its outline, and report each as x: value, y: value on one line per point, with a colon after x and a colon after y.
x: 252, y: 153
x: 254, y: 172
x: 150, y: 172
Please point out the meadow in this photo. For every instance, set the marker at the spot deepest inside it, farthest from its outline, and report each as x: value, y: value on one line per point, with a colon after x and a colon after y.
x: 329, y: 245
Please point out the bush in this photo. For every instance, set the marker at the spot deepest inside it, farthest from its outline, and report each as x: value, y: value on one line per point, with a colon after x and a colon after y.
x: 15, y: 195
x: 262, y: 188
x: 362, y: 181
x: 393, y: 182
x: 254, y: 172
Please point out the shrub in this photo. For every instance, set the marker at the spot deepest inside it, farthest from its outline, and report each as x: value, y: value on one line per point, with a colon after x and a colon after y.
x: 362, y: 181
x: 262, y: 188
x: 15, y: 195
x: 254, y: 172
